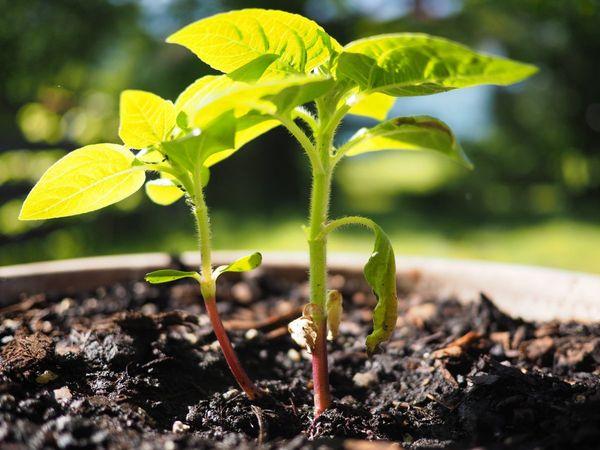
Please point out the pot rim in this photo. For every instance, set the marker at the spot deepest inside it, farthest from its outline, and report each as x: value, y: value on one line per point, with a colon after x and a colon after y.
x: 530, y: 292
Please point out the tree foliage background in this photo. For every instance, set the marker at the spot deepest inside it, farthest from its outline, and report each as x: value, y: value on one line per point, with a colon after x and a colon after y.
x: 533, y: 198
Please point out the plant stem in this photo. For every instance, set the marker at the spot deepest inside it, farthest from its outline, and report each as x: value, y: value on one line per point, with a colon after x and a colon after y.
x: 318, y: 286
x: 208, y: 289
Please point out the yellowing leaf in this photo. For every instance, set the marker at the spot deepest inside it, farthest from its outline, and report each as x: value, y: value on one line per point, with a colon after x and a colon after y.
x: 84, y: 180
x: 146, y: 118
x: 405, y: 64
x: 230, y: 40
x: 420, y: 133
x: 163, y: 191
x: 374, y: 105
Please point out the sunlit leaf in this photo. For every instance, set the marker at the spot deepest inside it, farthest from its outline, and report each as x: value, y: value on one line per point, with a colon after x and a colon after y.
x: 163, y: 191
x: 407, y: 64
x: 146, y: 118
x: 375, y: 106
x: 149, y: 156
x: 248, y: 128
x: 230, y: 40
x: 191, y: 152
x: 211, y: 96
x: 380, y: 273
x: 241, y: 265
x: 84, y: 180
x: 408, y: 133
x: 168, y: 275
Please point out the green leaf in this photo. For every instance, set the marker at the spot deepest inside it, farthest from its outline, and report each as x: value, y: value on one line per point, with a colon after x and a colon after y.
x: 168, y: 275
x: 211, y: 96
x: 407, y: 64
x: 375, y: 106
x: 241, y: 265
x: 248, y: 128
x: 380, y: 273
x: 408, y: 133
x: 146, y: 118
x: 163, y: 191
x: 230, y: 40
x: 84, y: 180
x: 191, y: 152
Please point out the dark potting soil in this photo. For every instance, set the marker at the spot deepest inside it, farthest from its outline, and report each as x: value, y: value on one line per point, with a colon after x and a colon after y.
x: 135, y: 366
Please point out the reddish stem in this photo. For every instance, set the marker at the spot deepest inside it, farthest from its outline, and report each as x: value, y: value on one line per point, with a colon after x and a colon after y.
x: 233, y: 362
x: 322, y: 395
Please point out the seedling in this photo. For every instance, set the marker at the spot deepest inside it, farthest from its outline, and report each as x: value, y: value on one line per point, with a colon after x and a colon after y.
x: 96, y: 176
x: 361, y: 78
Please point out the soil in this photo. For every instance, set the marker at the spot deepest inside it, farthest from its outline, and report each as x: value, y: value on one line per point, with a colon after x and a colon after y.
x: 136, y: 366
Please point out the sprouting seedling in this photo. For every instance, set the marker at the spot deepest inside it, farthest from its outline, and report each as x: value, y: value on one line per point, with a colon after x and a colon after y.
x: 361, y: 78
x: 99, y: 175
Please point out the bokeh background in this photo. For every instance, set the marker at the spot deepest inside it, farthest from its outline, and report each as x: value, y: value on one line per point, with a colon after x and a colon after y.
x: 533, y: 198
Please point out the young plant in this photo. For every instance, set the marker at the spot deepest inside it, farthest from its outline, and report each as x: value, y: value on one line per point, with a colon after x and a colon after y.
x: 363, y: 78
x: 99, y: 175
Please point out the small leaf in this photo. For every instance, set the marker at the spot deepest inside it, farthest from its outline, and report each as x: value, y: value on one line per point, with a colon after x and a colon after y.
x: 420, y: 133
x: 191, y: 152
x: 241, y: 265
x: 380, y: 273
x: 375, y: 106
x: 168, y: 275
x: 163, y: 191
x: 230, y: 40
x: 406, y: 64
x: 334, y: 308
x: 149, y: 156
x: 146, y: 118
x: 84, y: 180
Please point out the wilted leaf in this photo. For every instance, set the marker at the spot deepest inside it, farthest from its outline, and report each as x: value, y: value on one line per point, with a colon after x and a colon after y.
x: 334, y: 308
x: 380, y: 272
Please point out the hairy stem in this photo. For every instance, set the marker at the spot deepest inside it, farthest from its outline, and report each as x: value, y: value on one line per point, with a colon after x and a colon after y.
x: 208, y: 289
x: 319, y: 207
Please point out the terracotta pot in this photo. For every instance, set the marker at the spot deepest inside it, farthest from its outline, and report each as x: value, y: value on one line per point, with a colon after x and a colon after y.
x: 532, y: 293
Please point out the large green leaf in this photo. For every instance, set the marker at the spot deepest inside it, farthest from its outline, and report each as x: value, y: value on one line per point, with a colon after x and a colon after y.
x: 230, y: 40
x: 146, y: 118
x: 380, y: 272
x: 84, y: 180
x: 192, y: 151
x: 408, y: 133
x: 407, y: 64
x: 243, y: 264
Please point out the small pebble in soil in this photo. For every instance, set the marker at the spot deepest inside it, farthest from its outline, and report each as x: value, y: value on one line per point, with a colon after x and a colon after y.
x: 180, y: 427
x: 365, y: 379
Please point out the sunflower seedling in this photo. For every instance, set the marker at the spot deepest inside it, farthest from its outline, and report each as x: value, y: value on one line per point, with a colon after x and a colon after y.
x: 158, y: 139
x: 362, y: 78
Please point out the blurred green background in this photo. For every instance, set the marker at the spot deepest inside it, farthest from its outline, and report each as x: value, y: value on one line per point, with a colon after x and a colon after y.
x: 533, y: 198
